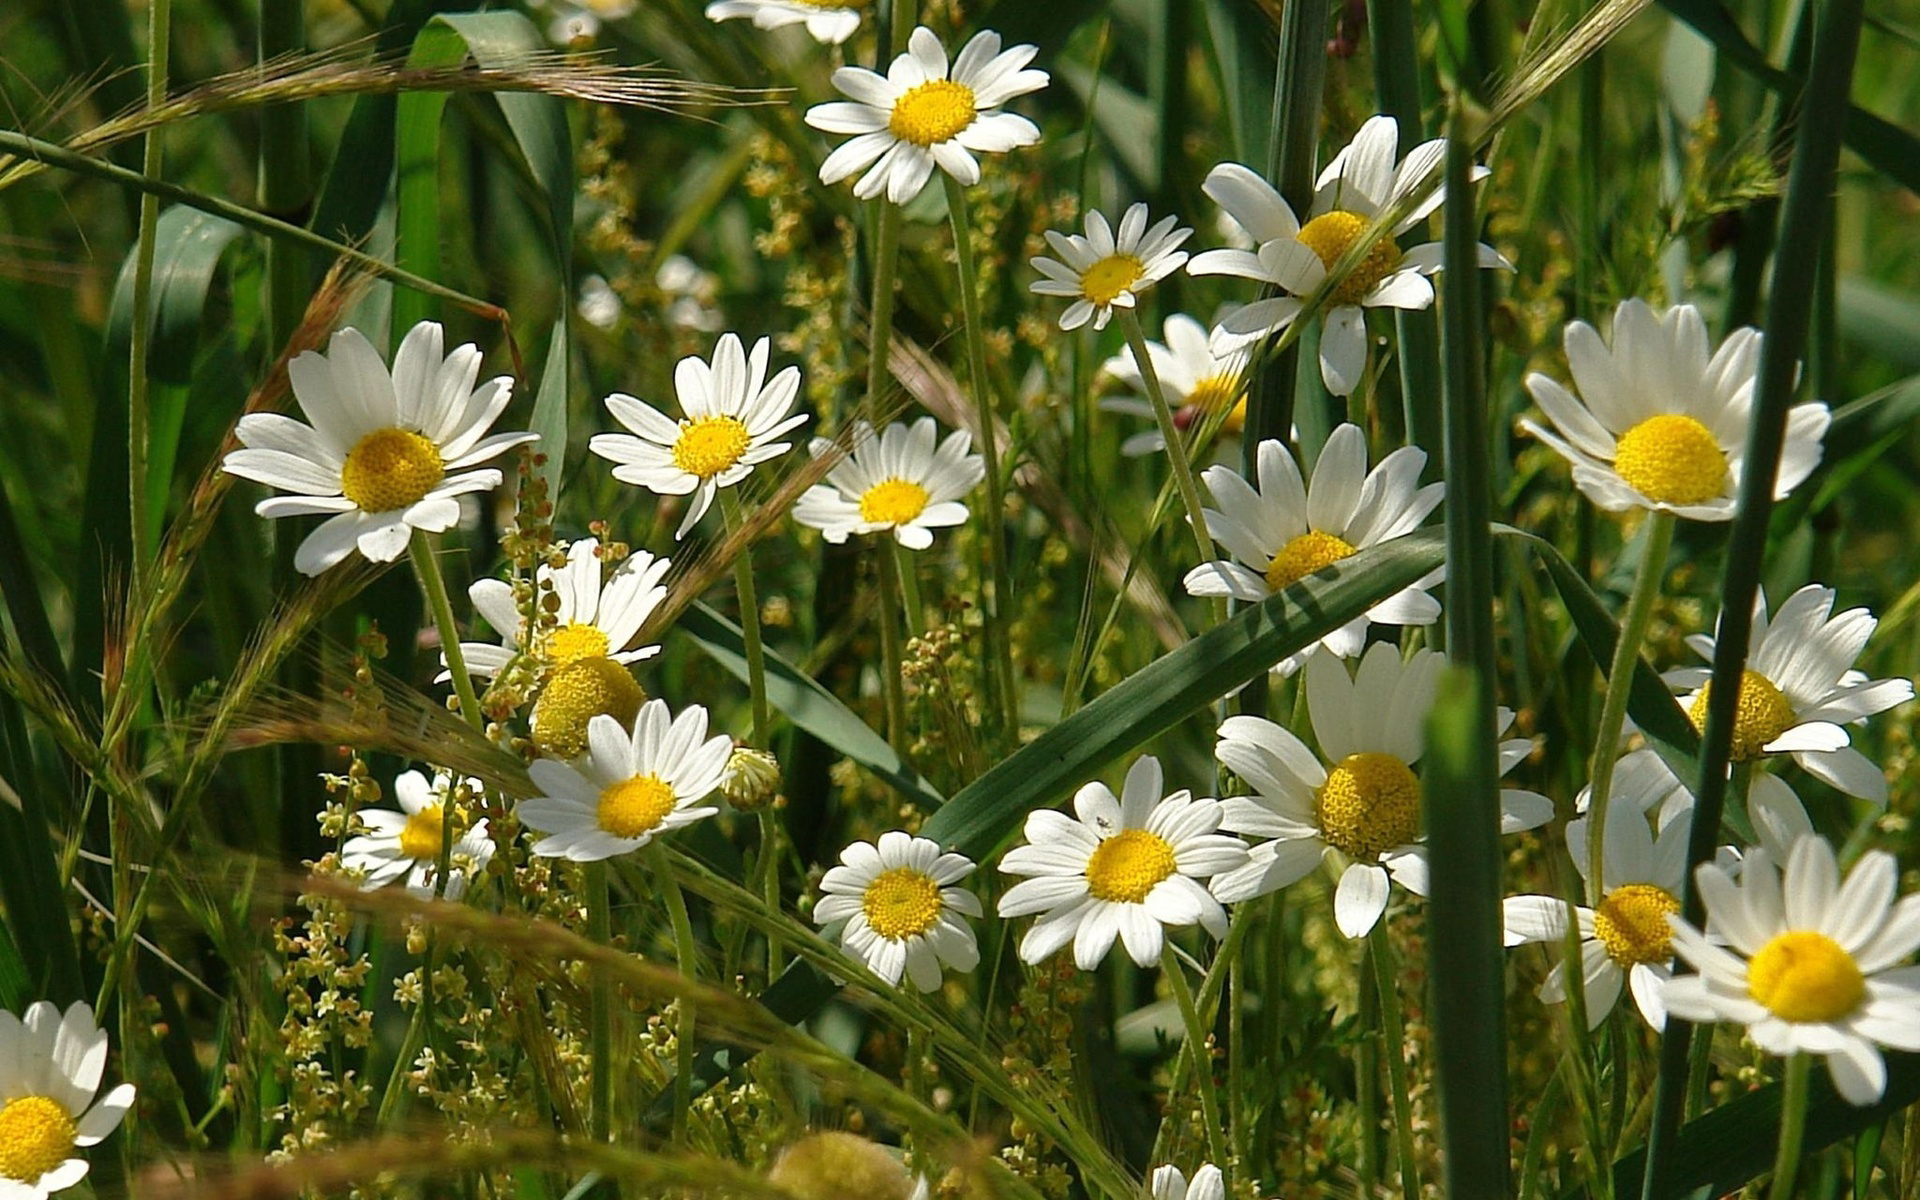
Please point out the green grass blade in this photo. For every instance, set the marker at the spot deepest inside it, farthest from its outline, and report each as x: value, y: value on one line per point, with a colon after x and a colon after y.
x: 417, y: 123
x: 30, y: 872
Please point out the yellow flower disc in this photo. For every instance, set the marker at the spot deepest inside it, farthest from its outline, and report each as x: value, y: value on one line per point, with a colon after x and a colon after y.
x: 574, y: 641
x: 1105, y: 280
x: 893, y: 502
x: 577, y: 693
x: 901, y: 903
x: 635, y: 807
x: 1128, y: 865
x: 1330, y: 234
x: 36, y: 1135
x: 932, y: 112
x: 835, y: 1165
x: 1369, y: 804
x: 1215, y: 392
x: 710, y: 445
x: 1805, y: 976
x: 390, y: 469
x: 1763, y: 714
x: 420, y: 840
x: 1631, y: 923
x: 1671, y: 459
x: 1311, y: 551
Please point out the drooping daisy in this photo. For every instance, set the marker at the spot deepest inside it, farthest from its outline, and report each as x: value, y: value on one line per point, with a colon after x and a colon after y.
x: 1643, y: 779
x: 902, y: 912
x: 1198, y: 382
x: 593, y: 620
x: 385, y: 454
x: 920, y: 115
x: 1103, y: 271
x: 1800, y: 691
x: 630, y: 788
x: 1659, y: 422
x: 901, y: 480
x: 1357, y: 804
x: 1124, y: 868
x: 733, y: 414
x: 1286, y: 531
x: 406, y: 844
x: 828, y: 22
x: 1360, y: 184
x: 50, y: 1069
x: 1207, y: 1184
x: 1625, y: 940
x: 1810, y: 966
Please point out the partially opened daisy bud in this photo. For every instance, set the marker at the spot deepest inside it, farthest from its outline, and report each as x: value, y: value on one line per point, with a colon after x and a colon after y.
x: 752, y: 779
x: 1286, y: 531
x: 1120, y: 868
x: 593, y: 618
x: 733, y: 414
x: 50, y: 1069
x: 902, y: 913
x: 1660, y: 421
x: 1808, y: 965
x: 904, y: 480
x: 828, y: 22
x: 385, y: 454
x: 1103, y: 271
x: 836, y: 1166
x: 921, y: 114
x: 631, y: 787
x: 407, y: 844
x: 1204, y: 384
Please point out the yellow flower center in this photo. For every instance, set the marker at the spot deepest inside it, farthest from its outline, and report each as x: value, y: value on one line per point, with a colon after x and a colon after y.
x: 1128, y: 865
x: 1214, y: 393
x: 901, y: 903
x: 577, y: 693
x: 1329, y: 235
x: 710, y: 445
x: 1761, y: 715
x: 1102, y: 282
x: 390, y: 469
x: 893, y: 502
x: 932, y: 112
x: 36, y: 1135
x: 1632, y: 924
x: 420, y: 840
x: 1671, y: 459
x: 574, y: 641
x: 635, y: 807
x: 1311, y: 551
x: 1805, y: 976
x: 1369, y: 804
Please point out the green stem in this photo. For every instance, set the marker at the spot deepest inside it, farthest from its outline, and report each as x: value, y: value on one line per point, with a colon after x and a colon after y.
x: 1613, y: 709
x: 1366, y: 1082
x: 1198, y: 1052
x: 892, y: 658
x: 686, y: 956
x: 886, y: 255
x: 600, y: 929
x: 749, y: 625
x: 770, y: 886
x: 435, y: 588
x: 1393, y: 1037
x: 159, y: 30
x: 909, y: 586
x: 1793, y: 1125
x: 994, y: 605
x: 1176, y: 445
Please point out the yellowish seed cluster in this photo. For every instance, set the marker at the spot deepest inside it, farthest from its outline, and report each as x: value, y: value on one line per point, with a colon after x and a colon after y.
x: 1762, y: 714
x: 1127, y: 866
x: 932, y: 112
x: 1330, y: 235
x: 577, y: 693
x: 575, y: 641
x: 1369, y: 804
x: 421, y: 839
x: 1310, y: 552
x: 391, y: 469
x: 1805, y: 976
x: 1631, y: 923
x: 1671, y: 459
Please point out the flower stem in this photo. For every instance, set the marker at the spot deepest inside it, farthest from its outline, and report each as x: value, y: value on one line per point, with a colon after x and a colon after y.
x: 600, y: 930
x: 1793, y: 1125
x: 749, y: 625
x: 435, y: 588
x: 993, y: 604
x: 886, y: 256
x: 1198, y: 1052
x: 159, y: 36
x: 1393, y: 1038
x: 892, y: 658
x: 1176, y: 445
x: 1613, y: 709
x: 770, y: 886
x: 909, y: 586
x: 686, y: 956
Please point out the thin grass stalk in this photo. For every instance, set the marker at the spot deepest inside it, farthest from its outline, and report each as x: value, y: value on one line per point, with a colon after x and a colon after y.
x: 749, y: 623
x: 909, y: 586
x: 687, y: 957
x: 600, y: 1019
x: 1393, y: 1044
x: 892, y: 658
x: 886, y: 260
x: 1198, y: 1052
x: 159, y: 31
x: 995, y: 602
x: 1169, y: 433
x: 286, y: 178
x: 1366, y: 1076
x: 1793, y: 1125
x: 1804, y: 216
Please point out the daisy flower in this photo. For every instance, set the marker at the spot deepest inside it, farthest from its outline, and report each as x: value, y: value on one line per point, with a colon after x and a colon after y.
x: 50, y: 1069
x: 385, y: 454
x: 1360, y: 797
x: 901, y: 480
x: 921, y: 114
x: 630, y: 788
x: 1659, y: 422
x: 1643, y: 779
x: 733, y: 414
x: 827, y: 22
x: 593, y: 619
x: 406, y: 844
x: 902, y: 913
x: 1810, y: 965
x: 1103, y: 271
x: 1286, y: 531
x: 1122, y: 868
x: 1207, y: 1184
x: 1199, y: 383
x: 1360, y: 184
x: 1799, y: 690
